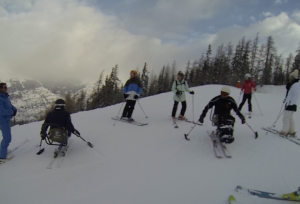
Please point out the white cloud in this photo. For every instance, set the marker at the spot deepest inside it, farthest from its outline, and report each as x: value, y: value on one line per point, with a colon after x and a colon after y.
x: 278, y: 2
x: 296, y: 15
x: 267, y: 14
x: 65, y: 38
x: 284, y: 30
x: 252, y: 18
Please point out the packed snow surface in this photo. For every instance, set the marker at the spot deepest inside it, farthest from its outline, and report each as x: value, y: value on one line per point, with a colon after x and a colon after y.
x: 154, y: 164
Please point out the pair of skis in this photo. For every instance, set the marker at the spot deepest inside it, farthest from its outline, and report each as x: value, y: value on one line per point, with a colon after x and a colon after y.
x: 131, y: 122
x: 216, y: 142
x: 276, y: 132
x: 260, y: 194
x: 10, y: 152
x: 59, y: 155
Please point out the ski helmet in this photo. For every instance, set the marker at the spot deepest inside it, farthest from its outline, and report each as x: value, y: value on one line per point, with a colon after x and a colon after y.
x: 294, y: 74
x: 133, y: 73
x: 180, y: 73
x: 247, y: 76
x: 226, y: 89
x: 60, y: 102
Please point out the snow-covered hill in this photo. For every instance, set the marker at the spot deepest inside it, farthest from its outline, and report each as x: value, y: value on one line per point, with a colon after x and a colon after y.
x: 33, y: 97
x: 154, y: 164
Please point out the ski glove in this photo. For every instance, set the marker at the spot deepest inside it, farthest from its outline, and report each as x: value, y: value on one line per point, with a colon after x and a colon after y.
x: 243, y: 120
x: 126, y: 95
x: 76, y: 132
x: 136, y: 97
x: 178, y: 93
x: 15, y: 113
x: 192, y: 92
x: 201, y: 120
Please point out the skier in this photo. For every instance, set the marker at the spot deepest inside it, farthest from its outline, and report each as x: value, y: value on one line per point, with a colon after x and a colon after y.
x: 247, y: 90
x: 222, y: 118
x: 132, y: 91
x: 291, y: 106
x: 7, y: 111
x: 59, y: 117
x: 179, y: 87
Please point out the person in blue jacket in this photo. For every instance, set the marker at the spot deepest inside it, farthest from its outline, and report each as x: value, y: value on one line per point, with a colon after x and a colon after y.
x: 132, y: 91
x: 7, y: 111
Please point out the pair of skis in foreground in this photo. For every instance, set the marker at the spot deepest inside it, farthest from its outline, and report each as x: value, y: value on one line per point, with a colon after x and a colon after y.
x: 130, y: 122
x: 276, y: 132
x: 260, y: 194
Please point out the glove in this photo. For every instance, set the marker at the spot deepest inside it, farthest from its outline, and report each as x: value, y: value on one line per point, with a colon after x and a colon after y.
x: 201, y: 120
x: 178, y: 93
x: 136, y: 97
x: 15, y: 113
x: 192, y: 92
x: 42, y: 136
x: 126, y: 95
x: 76, y: 133
x: 284, y: 100
x: 243, y: 120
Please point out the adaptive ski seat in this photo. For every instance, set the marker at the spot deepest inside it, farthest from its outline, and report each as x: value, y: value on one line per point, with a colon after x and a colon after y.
x: 56, y: 135
x: 225, y: 128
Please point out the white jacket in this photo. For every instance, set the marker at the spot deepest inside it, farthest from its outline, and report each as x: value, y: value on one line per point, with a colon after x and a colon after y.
x: 293, y: 95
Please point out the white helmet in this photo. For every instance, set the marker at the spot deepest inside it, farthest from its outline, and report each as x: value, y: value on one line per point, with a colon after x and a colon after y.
x: 226, y: 89
x: 247, y: 76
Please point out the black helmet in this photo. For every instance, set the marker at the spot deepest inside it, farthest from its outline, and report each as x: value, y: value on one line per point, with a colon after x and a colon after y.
x: 60, y: 102
x: 180, y: 73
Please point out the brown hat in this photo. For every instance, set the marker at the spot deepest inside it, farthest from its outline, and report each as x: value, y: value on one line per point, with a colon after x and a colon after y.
x: 134, y: 73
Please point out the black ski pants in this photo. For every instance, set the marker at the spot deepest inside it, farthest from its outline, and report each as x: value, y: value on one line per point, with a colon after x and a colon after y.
x: 129, y: 107
x: 246, y: 97
x: 183, y: 108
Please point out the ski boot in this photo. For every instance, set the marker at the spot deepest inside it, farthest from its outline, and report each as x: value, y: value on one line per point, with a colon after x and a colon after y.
x: 181, y: 117
x: 130, y: 119
x: 291, y: 196
x: 283, y: 134
x: 123, y: 118
x: 6, y: 159
x: 226, y: 139
x: 292, y: 135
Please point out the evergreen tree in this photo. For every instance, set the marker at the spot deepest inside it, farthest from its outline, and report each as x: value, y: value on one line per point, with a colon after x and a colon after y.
x: 288, y: 67
x: 145, y: 80
x: 296, y: 63
x: 270, y: 52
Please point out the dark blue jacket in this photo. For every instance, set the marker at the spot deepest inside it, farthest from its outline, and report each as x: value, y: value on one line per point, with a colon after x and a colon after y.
x: 6, y: 108
x: 60, y: 117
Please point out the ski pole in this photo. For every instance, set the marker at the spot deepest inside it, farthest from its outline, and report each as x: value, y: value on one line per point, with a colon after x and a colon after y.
x: 119, y: 112
x: 41, y: 150
x: 88, y: 143
x: 239, y: 97
x: 255, y: 133
x: 193, y: 108
x: 142, y: 109
x: 279, y: 114
x: 186, y: 135
x: 257, y: 104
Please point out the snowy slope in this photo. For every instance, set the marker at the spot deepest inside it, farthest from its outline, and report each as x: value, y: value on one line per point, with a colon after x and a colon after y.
x: 154, y: 164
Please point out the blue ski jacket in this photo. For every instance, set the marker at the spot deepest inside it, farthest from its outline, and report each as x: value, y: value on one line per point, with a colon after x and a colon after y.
x: 6, y: 108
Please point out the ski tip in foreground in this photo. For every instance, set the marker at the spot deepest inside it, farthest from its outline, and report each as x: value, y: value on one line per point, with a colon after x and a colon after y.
x: 231, y: 199
x: 41, y: 151
x: 186, y: 137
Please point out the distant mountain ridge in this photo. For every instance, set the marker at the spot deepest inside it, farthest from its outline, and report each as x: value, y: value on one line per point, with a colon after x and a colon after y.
x: 32, y: 97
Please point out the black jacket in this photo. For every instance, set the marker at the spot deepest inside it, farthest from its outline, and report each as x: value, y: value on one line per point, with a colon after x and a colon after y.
x: 61, y: 117
x: 223, y: 106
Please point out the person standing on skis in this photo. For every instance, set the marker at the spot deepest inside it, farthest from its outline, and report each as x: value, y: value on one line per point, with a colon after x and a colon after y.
x: 59, y: 117
x: 7, y: 111
x: 179, y: 87
x: 222, y: 118
x: 132, y: 91
x: 291, y: 106
x: 247, y: 90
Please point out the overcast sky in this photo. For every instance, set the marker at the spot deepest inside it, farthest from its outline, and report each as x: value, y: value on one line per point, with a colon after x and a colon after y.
x: 80, y: 38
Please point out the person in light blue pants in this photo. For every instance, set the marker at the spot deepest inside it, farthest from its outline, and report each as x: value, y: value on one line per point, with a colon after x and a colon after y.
x: 7, y: 111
